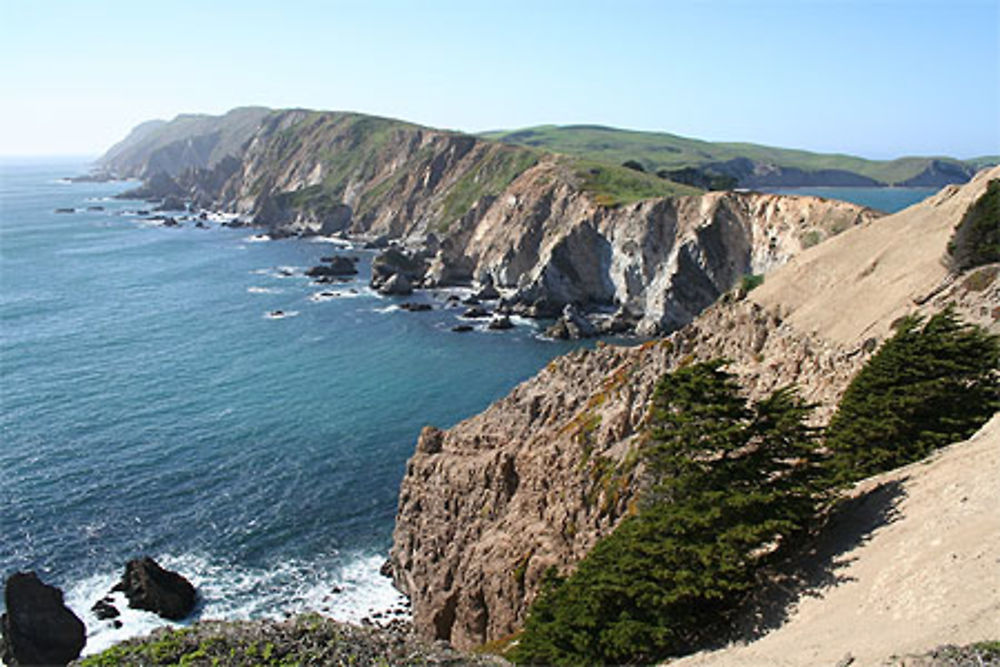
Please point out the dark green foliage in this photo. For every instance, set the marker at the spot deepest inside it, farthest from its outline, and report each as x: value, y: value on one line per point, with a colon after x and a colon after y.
x: 977, y: 238
x: 929, y: 385
x: 633, y: 165
x: 728, y: 484
x: 750, y: 282
x: 699, y: 178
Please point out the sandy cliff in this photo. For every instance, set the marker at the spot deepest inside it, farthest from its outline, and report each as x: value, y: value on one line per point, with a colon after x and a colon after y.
x: 487, y: 506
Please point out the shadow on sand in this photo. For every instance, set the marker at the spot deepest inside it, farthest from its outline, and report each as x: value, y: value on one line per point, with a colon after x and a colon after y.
x: 819, y: 565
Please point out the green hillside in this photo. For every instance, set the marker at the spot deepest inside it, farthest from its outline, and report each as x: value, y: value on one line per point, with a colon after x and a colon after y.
x: 657, y: 151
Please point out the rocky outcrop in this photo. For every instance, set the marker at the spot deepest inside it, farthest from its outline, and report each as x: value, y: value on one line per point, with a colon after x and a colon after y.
x: 152, y: 588
x: 486, y: 507
x: 38, y: 628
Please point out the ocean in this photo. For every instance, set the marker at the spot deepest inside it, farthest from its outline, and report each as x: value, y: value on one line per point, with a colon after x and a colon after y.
x: 151, y: 404
x: 888, y: 200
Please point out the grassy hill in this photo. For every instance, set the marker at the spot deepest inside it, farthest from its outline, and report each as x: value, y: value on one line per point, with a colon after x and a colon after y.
x: 658, y: 151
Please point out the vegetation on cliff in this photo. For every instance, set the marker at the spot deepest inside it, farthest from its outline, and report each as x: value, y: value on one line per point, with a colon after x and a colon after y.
x: 977, y: 239
x: 729, y: 483
x: 929, y: 385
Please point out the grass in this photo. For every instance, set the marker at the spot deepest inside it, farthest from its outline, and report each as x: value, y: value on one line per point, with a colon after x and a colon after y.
x: 659, y: 150
x: 612, y: 185
x: 500, y: 167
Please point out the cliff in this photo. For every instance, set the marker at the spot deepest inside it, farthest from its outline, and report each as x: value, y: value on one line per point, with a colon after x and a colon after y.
x: 547, y: 230
x: 488, y: 506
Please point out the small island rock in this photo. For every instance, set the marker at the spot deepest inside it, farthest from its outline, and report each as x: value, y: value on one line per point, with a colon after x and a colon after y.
x: 152, y: 588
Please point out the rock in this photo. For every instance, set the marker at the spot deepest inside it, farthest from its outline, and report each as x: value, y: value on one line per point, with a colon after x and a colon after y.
x: 396, y: 285
x: 397, y: 262
x: 104, y: 610
x: 152, y: 588
x: 95, y: 208
x: 476, y: 312
x: 65, y: 210
x: 416, y: 307
x: 171, y: 203
x: 488, y: 292
x: 462, y: 328
x: 386, y: 569
x: 38, y: 628
x: 500, y: 323
x: 170, y: 222
x: 572, y: 325
x: 200, y: 225
x: 471, y: 301
x: 378, y: 243
x: 337, y: 266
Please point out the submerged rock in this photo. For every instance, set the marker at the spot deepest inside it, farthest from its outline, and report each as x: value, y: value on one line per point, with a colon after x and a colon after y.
x: 38, y: 628
x: 152, y: 588
x: 500, y: 323
x: 337, y: 266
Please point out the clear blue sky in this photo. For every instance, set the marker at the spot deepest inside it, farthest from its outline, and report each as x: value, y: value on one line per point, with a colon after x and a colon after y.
x: 879, y: 79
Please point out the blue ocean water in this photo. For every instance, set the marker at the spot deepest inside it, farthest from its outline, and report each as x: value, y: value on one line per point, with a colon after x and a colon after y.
x: 149, y: 405
x: 889, y: 200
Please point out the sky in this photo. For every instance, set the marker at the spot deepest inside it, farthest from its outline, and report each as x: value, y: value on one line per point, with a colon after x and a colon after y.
x: 880, y: 79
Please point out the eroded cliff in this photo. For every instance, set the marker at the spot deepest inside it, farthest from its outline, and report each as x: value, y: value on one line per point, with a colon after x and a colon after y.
x: 538, y: 226
x: 488, y: 506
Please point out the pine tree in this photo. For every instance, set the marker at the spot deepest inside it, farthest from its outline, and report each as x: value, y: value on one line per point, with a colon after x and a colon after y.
x: 927, y: 386
x: 727, y: 483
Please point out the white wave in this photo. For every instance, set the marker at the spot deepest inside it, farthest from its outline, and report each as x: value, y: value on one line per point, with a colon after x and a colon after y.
x: 327, y: 295
x: 386, y: 309
x: 347, y: 593
x: 257, y: 238
x: 264, y: 290
x: 341, y: 243
x: 280, y: 314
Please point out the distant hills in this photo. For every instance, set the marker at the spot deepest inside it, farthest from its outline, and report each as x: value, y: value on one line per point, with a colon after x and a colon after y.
x: 751, y: 165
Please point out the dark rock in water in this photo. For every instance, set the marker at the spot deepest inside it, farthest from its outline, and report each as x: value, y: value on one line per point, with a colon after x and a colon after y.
x: 277, y: 313
x: 488, y: 292
x: 235, y: 224
x: 500, y: 323
x: 142, y: 211
x: 38, y: 628
x: 378, y: 243
x: 104, y: 610
x: 476, y: 312
x: 170, y: 222
x: 200, y: 225
x: 462, y: 328
x: 171, y: 203
x: 471, y: 301
x: 621, y: 322
x: 203, y: 215
x: 338, y: 266
x: 95, y: 208
x: 572, y: 325
x: 65, y: 210
x: 393, y: 262
x: 416, y: 307
x: 397, y: 285
x: 151, y: 588
x: 386, y: 569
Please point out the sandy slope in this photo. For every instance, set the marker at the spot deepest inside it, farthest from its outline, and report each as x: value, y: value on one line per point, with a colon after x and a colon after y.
x: 856, y: 284
x: 912, y: 563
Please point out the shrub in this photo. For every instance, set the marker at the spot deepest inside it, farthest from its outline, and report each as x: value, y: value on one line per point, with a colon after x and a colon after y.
x: 977, y: 238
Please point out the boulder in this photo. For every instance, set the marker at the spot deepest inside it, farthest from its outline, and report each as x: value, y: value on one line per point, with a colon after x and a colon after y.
x: 414, y: 307
x: 104, y: 610
x: 171, y: 203
x: 500, y: 323
x: 476, y: 312
x: 38, y: 628
x: 337, y: 266
x: 462, y: 328
x: 488, y: 292
x: 65, y: 210
x: 397, y: 285
x: 571, y: 325
x: 152, y: 588
x: 397, y: 262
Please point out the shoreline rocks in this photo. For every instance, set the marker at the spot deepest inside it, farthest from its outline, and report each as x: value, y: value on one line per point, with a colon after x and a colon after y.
x: 150, y: 587
x: 38, y: 628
